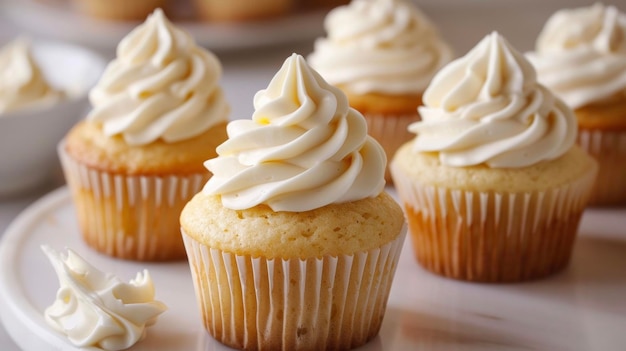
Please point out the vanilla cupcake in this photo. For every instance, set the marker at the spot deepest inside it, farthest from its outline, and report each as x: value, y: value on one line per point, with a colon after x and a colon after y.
x: 22, y: 83
x: 293, y: 242
x: 321, y: 4
x: 581, y: 55
x: 158, y: 113
x: 493, y: 185
x: 118, y: 10
x: 242, y: 10
x: 382, y: 54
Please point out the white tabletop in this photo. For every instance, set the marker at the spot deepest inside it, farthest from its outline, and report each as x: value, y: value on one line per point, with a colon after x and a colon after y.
x: 248, y: 70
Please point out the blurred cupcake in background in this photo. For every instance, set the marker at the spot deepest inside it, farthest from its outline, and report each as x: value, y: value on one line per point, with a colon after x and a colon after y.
x: 493, y: 184
x: 382, y: 54
x: 43, y: 93
x: 121, y: 10
x: 320, y: 4
x: 131, y: 165
x: 581, y: 56
x: 242, y: 10
x: 22, y: 83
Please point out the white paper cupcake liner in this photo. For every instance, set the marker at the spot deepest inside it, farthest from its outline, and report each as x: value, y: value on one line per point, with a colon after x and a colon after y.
x: 328, y: 303
x: 609, y: 149
x: 391, y: 131
x: 127, y: 216
x: 489, y: 236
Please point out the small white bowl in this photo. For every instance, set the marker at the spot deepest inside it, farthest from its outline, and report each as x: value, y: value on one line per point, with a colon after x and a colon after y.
x: 28, y: 137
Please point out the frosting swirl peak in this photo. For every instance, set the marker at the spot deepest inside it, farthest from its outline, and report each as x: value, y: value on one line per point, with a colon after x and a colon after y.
x: 487, y: 108
x: 161, y: 85
x: 303, y: 149
x: 379, y: 46
x: 22, y: 84
x: 581, y: 54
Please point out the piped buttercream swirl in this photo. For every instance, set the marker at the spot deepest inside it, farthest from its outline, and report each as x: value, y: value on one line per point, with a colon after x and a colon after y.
x: 379, y: 46
x: 581, y: 54
x: 22, y: 84
x: 162, y: 85
x: 304, y: 148
x: 97, y: 309
x: 487, y: 108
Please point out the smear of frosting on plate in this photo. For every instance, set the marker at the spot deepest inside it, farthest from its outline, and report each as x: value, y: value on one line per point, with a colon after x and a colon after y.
x: 96, y: 309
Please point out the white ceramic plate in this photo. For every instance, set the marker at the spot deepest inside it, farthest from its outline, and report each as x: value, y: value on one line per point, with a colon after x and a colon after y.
x: 57, y: 19
x: 582, y: 308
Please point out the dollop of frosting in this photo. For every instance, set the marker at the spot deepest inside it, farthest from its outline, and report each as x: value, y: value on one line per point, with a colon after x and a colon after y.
x: 487, y: 108
x: 581, y: 54
x: 379, y: 46
x: 304, y: 148
x: 22, y: 84
x: 97, y: 309
x: 161, y: 85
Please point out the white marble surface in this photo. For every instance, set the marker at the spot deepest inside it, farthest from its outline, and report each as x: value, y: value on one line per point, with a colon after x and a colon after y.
x: 581, y: 308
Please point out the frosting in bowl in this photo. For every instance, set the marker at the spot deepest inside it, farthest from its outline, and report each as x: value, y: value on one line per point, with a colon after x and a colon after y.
x: 304, y: 148
x: 487, y: 108
x: 379, y: 46
x: 22, y: 84
x: 581, y: 54
x: 161, y: 85
x: 97, y: 309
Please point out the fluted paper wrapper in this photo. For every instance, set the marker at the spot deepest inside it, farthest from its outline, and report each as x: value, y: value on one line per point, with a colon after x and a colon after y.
x: 328, y: 303
x: 391, y: 131
x: 130, y: 217
x: 609, y: 149
x: 489, y: 236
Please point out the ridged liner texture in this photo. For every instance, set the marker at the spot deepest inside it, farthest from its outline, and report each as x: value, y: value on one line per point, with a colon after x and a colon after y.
x: 128, y: 216
x: 609, y: 149
x: 493, y: 236
x: 391, y: 132
x: 327, y: 303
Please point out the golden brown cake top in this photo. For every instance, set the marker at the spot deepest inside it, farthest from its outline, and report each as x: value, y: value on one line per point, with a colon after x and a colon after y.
x: 608, y: 116
x: 87, y: 143
x: 383, y: 104
x: 330, y: 230
x: 427, y: 168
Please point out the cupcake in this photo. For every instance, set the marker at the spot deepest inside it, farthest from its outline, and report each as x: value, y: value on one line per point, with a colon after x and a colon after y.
x: 493, y: 184
x: 293, y: 242
x: 242, y: 10
x: 382, y: 54
x: 22, y: 83
x: 321, y: 4
x: 119, y: 10
x: 137, y: 157
x: 581, y: 55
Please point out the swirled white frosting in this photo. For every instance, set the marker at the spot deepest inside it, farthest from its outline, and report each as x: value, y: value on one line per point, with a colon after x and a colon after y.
x: 22, y: 84
x: 303, y: 149
x: 97, y: 309
x: 581, y: 54
x: 487, y: 108
x: 161, y: 85
x: 380, y: 46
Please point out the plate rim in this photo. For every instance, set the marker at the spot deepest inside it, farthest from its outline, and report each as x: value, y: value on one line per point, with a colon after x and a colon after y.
x: 20, y: 310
